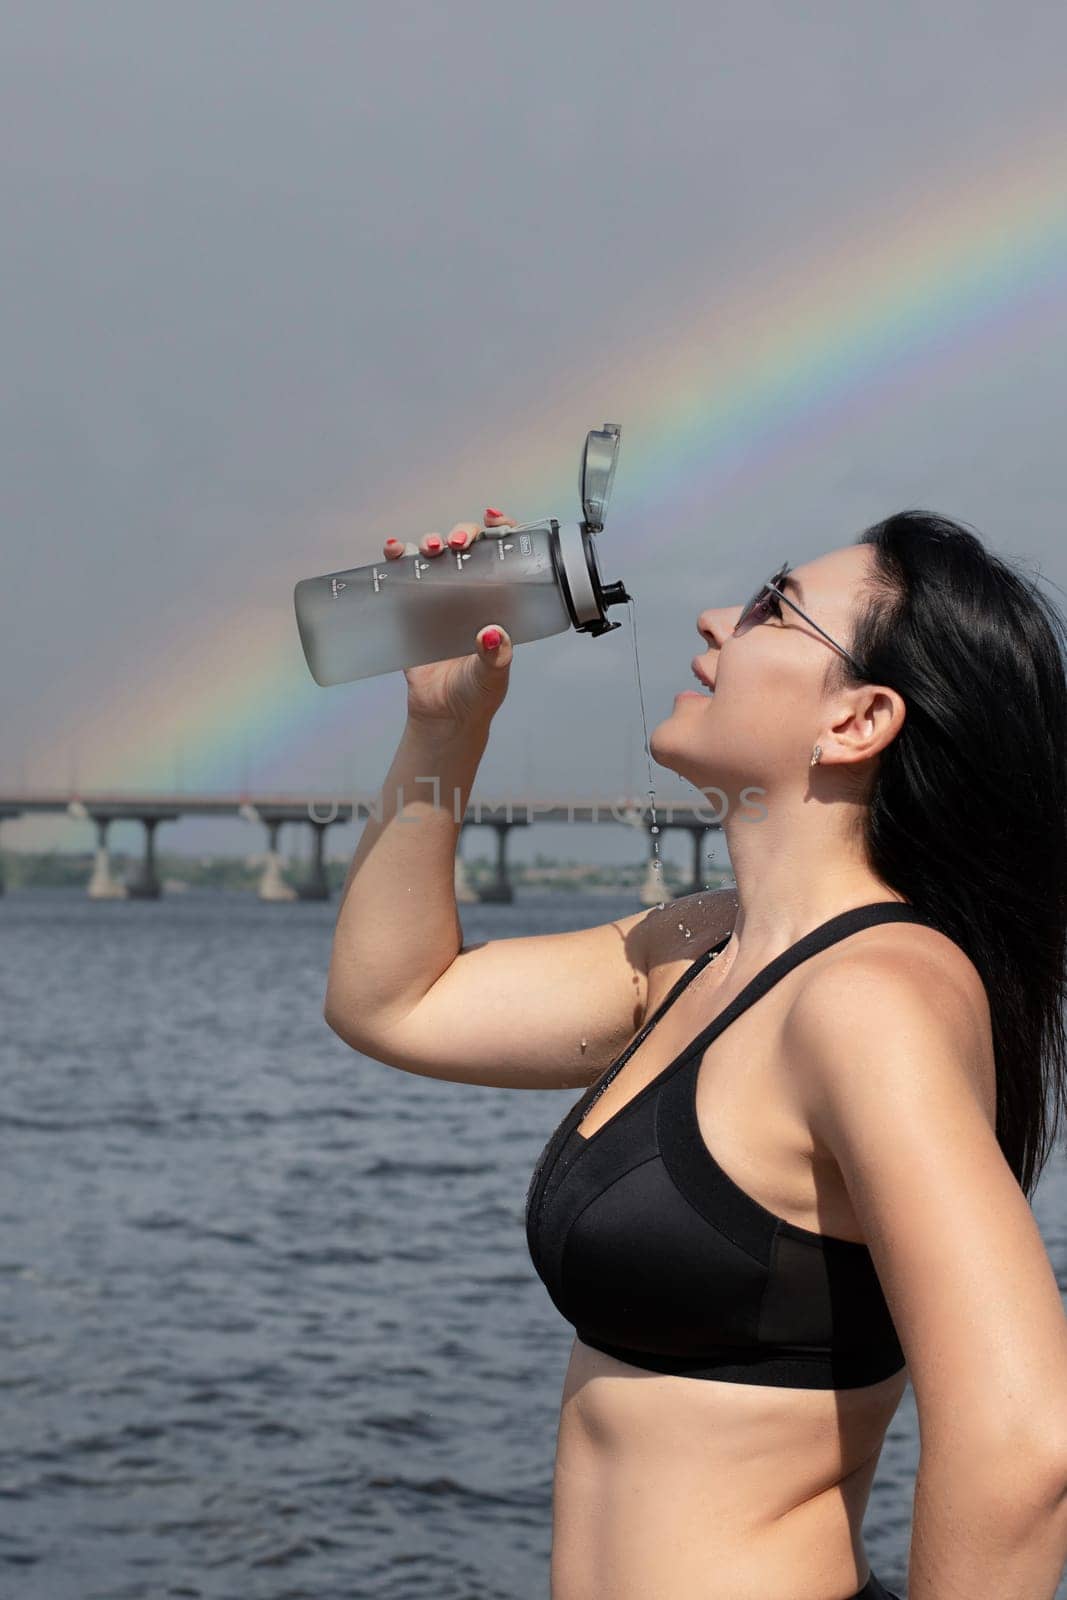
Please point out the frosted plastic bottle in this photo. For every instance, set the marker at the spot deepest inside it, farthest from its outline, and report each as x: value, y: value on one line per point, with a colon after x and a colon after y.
x: 536, y: 580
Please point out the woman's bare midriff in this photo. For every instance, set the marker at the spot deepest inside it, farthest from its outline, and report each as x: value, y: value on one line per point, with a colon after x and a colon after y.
x: 674, y: 1488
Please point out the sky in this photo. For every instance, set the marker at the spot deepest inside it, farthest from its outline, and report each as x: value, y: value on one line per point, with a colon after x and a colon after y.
x: 282, y: 280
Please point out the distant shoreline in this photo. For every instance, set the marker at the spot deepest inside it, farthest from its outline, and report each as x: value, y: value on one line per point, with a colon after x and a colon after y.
x: 545, y: 877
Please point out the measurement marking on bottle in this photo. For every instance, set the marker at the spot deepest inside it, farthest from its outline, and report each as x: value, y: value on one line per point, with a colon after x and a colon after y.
x: 419, y: 567
x: 461, y: 557
x: 525, y: 544
x: 379, y: 579
x: 336, y: 585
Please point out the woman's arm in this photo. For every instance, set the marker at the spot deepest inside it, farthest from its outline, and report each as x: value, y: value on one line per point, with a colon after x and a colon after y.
x: 894, y: 1055
x: 989, y: 1529
x: 398, y: 927
x: 548, y: 1011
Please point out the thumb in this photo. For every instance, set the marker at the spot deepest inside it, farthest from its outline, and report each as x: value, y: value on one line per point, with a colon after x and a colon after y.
x: 494, y: 647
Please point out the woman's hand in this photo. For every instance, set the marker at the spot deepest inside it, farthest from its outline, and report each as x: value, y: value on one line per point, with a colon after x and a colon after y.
x: 447, y: 696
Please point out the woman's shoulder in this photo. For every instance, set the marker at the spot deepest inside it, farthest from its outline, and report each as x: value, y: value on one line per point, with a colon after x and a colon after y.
x: 680, y: 930
x: 918, y: 951
x: 909, y: 958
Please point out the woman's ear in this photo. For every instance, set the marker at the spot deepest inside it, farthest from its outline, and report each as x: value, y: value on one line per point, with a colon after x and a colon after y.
x: 870, y: 718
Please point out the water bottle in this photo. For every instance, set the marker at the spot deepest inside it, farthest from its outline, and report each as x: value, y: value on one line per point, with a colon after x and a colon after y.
x: 536, y: 580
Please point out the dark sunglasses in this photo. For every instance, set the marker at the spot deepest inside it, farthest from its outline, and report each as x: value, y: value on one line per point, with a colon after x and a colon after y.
x: 766, y: 602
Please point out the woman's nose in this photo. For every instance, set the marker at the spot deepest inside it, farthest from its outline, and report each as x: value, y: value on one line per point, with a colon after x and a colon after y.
x: 716, y: 625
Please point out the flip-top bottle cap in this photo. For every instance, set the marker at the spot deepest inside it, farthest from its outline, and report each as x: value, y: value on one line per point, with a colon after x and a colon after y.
x: 586, y: 594
x: 597, y: 473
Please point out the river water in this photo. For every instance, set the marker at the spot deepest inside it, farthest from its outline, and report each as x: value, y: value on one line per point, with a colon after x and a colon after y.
x: 268, y: 1322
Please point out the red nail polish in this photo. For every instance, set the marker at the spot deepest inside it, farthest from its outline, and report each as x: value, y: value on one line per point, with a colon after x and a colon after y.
x: 433, y: 543
x: 457, y: 540
x: 491, y: 513
x: 491, y: 638
x: 392, y: 541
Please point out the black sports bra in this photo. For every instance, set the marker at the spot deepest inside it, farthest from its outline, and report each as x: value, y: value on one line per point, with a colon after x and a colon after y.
x: 658, y: 1258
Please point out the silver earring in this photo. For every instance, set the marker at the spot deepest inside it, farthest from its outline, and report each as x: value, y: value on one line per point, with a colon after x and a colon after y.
x: 815, y: 756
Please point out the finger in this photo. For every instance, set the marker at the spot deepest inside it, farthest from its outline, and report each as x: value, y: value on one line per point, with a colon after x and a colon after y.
x: 394, y: 549
x: 497, y: 522
x: 463, y: 535
x: 431, y: 544
x: 494, y: 646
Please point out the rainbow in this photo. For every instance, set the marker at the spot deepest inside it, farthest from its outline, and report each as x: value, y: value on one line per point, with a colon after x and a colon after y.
x: 744, y: 383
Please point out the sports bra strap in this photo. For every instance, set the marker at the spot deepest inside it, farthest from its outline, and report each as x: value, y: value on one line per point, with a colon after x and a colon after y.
x: 820, y: 938
x: 676, y: 988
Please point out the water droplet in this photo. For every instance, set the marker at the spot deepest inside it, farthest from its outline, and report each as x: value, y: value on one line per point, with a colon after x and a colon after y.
x: 654, y: 829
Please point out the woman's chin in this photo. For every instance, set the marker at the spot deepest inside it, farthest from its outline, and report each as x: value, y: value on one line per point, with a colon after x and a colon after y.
x: 670, y: 747
x: 659, y: 743
x: 666, y: 749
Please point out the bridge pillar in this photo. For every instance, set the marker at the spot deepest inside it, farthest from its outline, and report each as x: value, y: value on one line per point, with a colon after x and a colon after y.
x: 315, y: 887
x: 696, y: 835
x: 6, y: 815
x: 653, y: 890
x: 102, y: 886
x: 145, y: 884
x: 500, y: 889
x: 272, y: 886
x: 465, y: 893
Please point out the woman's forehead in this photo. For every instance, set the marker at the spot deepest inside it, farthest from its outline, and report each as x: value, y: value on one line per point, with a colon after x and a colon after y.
x: 834, y: 576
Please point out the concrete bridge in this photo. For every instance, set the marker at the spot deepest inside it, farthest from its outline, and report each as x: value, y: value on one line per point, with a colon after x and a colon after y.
x: 319, y: 814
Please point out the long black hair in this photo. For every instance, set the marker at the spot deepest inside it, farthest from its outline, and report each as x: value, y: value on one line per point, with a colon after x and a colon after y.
x: 968, y: 808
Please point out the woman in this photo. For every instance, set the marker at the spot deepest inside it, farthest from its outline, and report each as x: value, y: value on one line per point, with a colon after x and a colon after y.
x: 802, y: 1155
